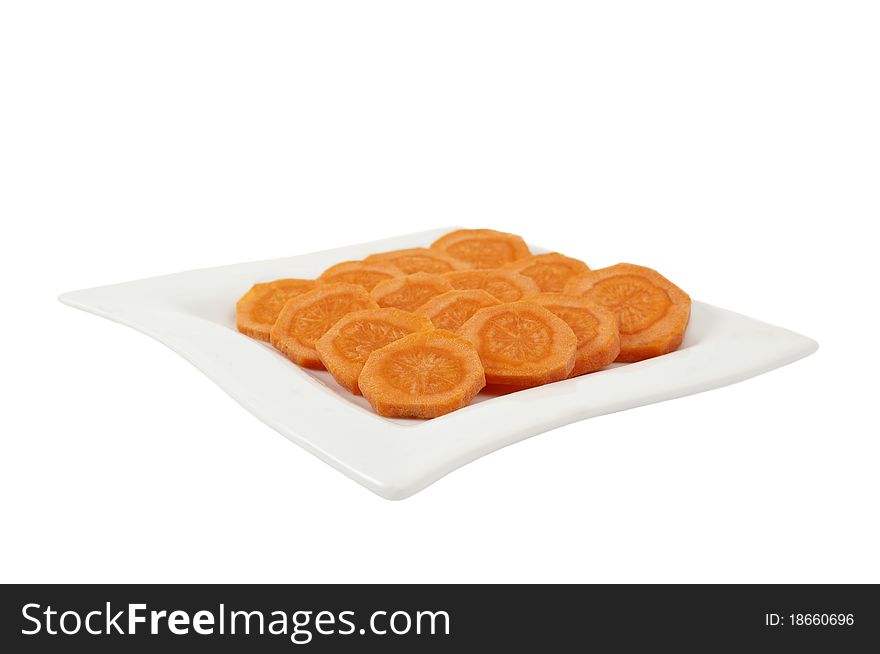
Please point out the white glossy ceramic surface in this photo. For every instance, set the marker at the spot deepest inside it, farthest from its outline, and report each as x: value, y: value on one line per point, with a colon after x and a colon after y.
x: 193, y: 313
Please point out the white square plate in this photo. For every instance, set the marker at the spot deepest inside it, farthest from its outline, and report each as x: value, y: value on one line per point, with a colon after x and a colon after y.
x: 193, y: 313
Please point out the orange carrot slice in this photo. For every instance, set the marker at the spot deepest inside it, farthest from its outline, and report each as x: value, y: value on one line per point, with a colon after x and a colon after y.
x: 451, y: 310
x: 505, y: 285
x: 598, y: 340
x: 550, y: 271
x: 257, y: 310
x: 346, y: 345
x: 521, y: 344
x: 307, y: 317
x: 483, y: 248
x: 413, y: 260
x: 362, y: 273
x: 652, y: 312
x: 409, y: 292
x: 423, y: 375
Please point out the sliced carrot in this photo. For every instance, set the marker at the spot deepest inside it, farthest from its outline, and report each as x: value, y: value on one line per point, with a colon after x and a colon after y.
x: 505, y: 285
x: 521, y: 344
x: 550, y: 271
x: 652, y: 312
x: 362, y: 273
x: 452, y: 309
x: 346, y: 345
x: 598, y: 339
x: 409, y: 292
x: 413, y: 260
x: 423, y: 375
x: 307, y: 317
x: 257, y: 310
x: 483, y: 248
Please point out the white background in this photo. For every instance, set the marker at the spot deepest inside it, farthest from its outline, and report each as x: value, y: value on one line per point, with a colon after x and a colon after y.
x: 733, y: 146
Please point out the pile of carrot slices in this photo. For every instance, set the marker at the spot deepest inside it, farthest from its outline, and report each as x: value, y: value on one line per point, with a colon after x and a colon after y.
x: 419, y: 332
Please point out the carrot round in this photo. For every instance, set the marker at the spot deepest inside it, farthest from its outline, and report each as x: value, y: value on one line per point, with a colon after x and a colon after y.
x: 451, y: 310
x: 521, y: 344
x: 549, y: 271
x: 423, y: 375
x: 652, y: 312
x: 413, y: 260
x: 505, y: 285
x: 344, y: 348
x: 598, y: 339
x: 362, y: 273
x: 307, y: 317
x: 409, y: 292
x: 257, y: 310
x: 483, y: 248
